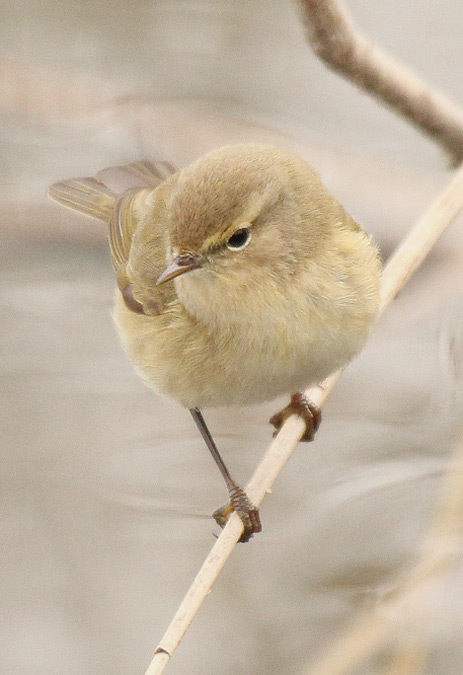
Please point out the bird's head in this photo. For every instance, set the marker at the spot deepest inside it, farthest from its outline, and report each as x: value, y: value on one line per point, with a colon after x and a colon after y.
x: 235, y: 220
x: 242, y: 221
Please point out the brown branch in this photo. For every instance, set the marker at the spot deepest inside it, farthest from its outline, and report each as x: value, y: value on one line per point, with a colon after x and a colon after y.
x: 334, y: 38
x: 398, y: 270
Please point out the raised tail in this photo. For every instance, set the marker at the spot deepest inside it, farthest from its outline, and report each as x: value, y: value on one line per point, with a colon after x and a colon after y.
x: 86, y: 195
x: 96, y: 197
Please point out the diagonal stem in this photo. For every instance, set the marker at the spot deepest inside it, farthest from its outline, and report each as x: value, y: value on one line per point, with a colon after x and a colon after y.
x: 334, y: 38
x: 404, y: 261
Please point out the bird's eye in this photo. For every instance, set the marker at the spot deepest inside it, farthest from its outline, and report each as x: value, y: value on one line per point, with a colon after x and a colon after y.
x: 239, y: 239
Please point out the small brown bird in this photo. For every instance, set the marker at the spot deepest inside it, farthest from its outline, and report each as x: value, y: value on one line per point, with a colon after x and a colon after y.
x: 239, y: 278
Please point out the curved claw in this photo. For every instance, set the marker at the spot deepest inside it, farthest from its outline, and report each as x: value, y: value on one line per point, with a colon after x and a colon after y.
x: 248, y: 513
x: 302, y: 406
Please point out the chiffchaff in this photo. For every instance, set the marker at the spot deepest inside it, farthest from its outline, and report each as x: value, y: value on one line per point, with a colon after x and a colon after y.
x: 240, y: 278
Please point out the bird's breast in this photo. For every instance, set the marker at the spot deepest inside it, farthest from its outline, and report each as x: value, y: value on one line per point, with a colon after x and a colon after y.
x: 242, y: 353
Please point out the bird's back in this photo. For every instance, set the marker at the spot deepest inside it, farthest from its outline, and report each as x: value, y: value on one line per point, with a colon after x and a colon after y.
x: 121, y: 196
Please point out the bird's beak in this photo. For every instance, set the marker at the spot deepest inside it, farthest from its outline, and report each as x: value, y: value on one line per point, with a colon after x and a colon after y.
x: 181, y: 264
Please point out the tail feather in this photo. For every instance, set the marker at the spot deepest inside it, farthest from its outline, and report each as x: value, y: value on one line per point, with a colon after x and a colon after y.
x: 97, y: 197
x: 86, y: 195
x: 137, y: 175
x: 152, y: 173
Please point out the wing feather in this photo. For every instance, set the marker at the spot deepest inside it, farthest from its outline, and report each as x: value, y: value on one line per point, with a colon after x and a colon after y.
x: 119, y: 195
x: 122, y: 225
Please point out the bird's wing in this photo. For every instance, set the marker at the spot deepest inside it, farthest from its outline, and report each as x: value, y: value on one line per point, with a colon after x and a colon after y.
x: 122, y: 225
x: 118, y: 196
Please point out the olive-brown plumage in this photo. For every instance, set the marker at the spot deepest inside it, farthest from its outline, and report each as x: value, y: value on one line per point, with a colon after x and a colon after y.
x: 240, y: 277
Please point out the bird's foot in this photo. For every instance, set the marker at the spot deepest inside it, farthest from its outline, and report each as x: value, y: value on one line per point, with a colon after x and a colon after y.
x: 248, y: 513
x: 302, y: 406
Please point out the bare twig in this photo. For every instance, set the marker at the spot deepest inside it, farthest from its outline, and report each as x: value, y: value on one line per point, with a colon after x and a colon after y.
x: 400, y: 267
x: 335, y: 39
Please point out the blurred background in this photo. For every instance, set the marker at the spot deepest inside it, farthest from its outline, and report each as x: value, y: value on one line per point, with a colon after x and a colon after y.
x: 106, y: 488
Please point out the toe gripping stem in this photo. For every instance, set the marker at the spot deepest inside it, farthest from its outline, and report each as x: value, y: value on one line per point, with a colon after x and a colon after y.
x: 303, y: 407
x: 243, y: 507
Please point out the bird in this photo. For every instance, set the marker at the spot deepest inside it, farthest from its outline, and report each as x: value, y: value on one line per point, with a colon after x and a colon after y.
x: 240, y: 278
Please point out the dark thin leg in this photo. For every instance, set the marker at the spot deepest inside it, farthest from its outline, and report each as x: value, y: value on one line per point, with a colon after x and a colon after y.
x: 239, y: 501
x: 206, y: 434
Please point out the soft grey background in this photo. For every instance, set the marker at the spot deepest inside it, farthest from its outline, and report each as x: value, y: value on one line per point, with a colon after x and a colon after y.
x: 106, y: 486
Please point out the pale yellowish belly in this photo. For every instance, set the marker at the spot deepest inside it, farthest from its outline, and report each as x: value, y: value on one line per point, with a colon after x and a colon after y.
x: 239, y: 366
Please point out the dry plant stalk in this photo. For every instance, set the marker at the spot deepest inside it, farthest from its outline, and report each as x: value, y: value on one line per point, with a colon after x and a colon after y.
x: 336, y: 41
x: 400, y: 267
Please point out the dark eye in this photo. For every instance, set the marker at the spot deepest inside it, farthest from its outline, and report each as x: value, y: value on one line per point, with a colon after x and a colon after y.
x: 239, y: 239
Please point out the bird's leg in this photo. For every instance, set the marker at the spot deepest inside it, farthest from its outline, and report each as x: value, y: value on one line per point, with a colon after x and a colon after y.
x: 239, y: 500
x: 302, y: 406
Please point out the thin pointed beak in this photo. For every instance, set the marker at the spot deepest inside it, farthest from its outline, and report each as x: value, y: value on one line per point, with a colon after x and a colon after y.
x: 181, y: 264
